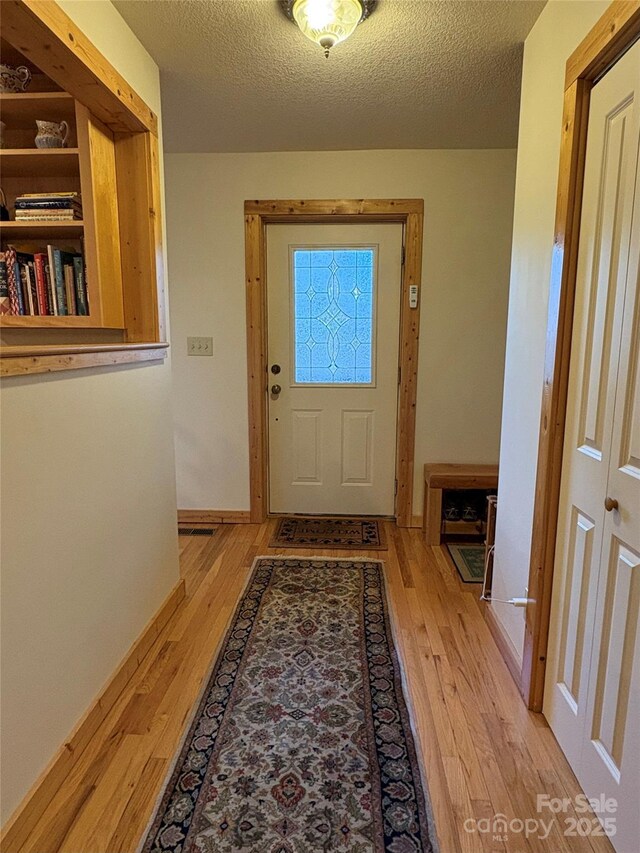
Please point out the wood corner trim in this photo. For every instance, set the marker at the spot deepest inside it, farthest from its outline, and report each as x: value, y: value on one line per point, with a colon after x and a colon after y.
x: 616, y: 30
x: 17, y: 829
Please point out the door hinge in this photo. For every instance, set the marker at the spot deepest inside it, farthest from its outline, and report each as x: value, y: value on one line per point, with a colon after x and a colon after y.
x: 395, y: 487
x: 403, y: 256
x: 399, y: 375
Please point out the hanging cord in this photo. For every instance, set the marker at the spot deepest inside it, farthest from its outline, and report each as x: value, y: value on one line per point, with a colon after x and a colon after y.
x: 517, y: 602
x: 489, y: 554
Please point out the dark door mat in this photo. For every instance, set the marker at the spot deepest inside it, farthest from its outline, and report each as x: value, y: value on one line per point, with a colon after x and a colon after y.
x: 469, y: 561
x: 361, y: 534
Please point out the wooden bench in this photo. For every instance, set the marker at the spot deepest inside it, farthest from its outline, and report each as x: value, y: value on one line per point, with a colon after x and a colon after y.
x: 440, y: 476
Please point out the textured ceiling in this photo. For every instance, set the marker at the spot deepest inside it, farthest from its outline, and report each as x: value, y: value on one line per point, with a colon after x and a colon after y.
x: 238, y: 76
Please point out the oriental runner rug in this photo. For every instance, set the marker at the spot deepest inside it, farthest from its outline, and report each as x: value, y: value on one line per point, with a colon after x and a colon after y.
x: 302, y: 740
x: 360, y: 534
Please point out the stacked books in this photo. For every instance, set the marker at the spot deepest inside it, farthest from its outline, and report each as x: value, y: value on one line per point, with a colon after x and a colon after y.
x: 44, y: 283
x: 48, y: 207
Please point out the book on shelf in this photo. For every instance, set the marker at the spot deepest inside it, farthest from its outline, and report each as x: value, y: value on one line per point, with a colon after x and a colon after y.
x: 5, y: 303
x: 57, y: 273
x: 27, y: 272
x: 22, y: 203
x: 48, y: 206
x: 81, y: 288
x: 15, y: 293
x: 69, y: 289
x: 45, y: 206
x: 54, y: 196
x: 48, y: 277
x: 22, y: 282
x: 44, y: 301
x: 51, y: 283
x: 60, y: 216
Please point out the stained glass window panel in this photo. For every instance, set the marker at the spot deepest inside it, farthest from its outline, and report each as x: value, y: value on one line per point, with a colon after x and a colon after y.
x: 333, y: 323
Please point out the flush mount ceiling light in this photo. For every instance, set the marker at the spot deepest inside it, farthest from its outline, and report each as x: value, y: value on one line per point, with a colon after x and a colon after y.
x: 327, y: 22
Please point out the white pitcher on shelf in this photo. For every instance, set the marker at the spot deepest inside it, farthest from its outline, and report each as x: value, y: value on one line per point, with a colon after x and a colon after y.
x: 51, y: 134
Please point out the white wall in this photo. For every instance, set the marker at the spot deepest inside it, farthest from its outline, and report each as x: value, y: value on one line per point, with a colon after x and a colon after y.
x: 557, y: 32
x: 89, y: 547
x: 468, y: 203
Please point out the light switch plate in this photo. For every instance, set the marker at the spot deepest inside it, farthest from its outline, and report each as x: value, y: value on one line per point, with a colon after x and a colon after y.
x: 199, y: 346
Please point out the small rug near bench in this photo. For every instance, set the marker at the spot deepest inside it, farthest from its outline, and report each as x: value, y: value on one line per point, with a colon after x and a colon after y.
x: 302, y: 739
x: 318, y: 532
x: 469, y: 561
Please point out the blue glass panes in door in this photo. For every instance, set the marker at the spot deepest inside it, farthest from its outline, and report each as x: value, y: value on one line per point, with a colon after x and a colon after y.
x: 333, y: 315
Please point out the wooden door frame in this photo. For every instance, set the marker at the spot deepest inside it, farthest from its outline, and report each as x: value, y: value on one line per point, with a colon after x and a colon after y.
x: 259, y: 214
x: 613, y: 34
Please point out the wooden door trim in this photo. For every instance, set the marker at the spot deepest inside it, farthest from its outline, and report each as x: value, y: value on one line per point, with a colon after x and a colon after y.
x: 258, y: 214
x: 613, y: 34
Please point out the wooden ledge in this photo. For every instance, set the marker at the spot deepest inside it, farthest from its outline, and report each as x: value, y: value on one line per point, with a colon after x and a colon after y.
x: 24, y: 360
x: 440, y: 475
x: 369, y: 210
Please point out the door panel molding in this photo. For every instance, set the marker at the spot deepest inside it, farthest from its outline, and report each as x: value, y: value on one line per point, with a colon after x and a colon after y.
x: 357, y: 434
x: 613, y: 34
x: 615, y: 654
x: 258, y: 214
x: 576, y: 600
x: 307, y: 432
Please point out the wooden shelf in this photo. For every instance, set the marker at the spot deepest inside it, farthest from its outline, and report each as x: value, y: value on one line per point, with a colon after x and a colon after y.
x: 58, y: 105
x: 32, y: 97
x: 41, y: 230
x: 38, y: 162
x: 463, y: 528
x: 21, y: 110
x: 11, y: 321
x: 23, y: 360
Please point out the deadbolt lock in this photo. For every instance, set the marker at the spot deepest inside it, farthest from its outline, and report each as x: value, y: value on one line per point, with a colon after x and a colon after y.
x: 275, y: 369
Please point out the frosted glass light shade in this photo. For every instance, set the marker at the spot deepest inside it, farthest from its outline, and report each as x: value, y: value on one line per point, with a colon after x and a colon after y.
x: 327, y: 22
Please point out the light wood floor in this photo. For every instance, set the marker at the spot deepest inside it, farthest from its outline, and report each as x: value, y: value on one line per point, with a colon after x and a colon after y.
x: 484, y: 753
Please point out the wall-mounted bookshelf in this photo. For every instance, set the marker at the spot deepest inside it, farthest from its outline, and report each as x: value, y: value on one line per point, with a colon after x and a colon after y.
x: 103, y: 251
x: 88, y: 169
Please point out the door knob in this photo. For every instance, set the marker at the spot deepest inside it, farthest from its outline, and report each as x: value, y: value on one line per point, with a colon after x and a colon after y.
x: 276, y: 389
x: 610, y: 503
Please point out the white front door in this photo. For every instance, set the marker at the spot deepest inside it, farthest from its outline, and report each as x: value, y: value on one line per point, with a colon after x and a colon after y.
x: 592, y: 692
x: 333, y: 320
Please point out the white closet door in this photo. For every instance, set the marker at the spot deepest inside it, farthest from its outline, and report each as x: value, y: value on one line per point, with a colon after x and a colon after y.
x: 593, y: 661
x: 611, y: 754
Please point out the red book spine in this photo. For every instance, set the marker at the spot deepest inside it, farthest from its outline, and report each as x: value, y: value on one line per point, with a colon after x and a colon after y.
x: 41, y: 285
